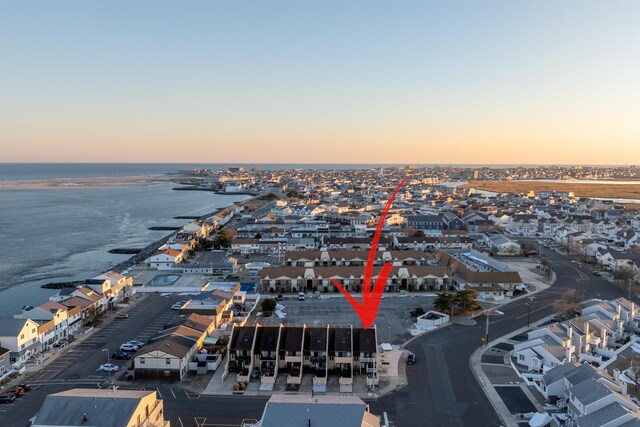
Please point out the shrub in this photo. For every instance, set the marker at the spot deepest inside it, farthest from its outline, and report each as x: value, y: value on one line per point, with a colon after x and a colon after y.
x: 268, y: 304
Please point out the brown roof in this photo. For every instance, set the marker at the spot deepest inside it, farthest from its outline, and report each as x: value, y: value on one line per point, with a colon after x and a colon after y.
x: 342, y: 340
x: 291, y: 339
x: 77, y: 302
x: 366, y: 340
x: 242, y: 338
x: 315, y: 339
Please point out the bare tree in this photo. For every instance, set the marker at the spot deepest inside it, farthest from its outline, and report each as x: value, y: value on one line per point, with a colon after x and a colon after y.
x: 567, y: 305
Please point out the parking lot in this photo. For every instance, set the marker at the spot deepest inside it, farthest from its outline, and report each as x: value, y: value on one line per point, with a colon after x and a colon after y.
x: 393, y: 320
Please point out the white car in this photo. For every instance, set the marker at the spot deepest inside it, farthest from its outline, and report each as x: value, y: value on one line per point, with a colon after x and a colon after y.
x: 136, y: 343
x: 108, y: 367
x: 128, y: 347
x: 300, y: 296
x: 178, y: 305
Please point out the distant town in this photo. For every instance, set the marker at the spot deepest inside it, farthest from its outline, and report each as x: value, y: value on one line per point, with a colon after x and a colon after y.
x: 512, y: 289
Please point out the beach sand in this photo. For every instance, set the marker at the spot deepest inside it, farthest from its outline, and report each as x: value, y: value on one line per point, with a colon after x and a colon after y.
x: 617, y: 191
x: 84, y: 183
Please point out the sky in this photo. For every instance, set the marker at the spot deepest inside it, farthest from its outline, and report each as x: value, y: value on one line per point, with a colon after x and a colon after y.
x: 301, y: 81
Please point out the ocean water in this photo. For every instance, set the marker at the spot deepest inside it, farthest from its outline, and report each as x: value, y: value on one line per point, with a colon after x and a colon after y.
x: 28, y: 171
x: 63, y: 234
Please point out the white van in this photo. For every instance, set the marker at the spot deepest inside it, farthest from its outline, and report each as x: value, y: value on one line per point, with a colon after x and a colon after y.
x: 300, y: 296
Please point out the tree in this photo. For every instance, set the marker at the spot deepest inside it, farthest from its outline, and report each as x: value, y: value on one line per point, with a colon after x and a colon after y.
x: 418, y: 233
x: 467, y: 299
x: 258, y: 236
x: 567, y: 305
x: 268, y: 304
x: 444, y: 302
x: 224, y: 238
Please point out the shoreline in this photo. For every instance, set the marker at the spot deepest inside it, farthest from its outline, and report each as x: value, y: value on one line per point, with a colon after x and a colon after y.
x: 143, y: 254
x: 85, y: 183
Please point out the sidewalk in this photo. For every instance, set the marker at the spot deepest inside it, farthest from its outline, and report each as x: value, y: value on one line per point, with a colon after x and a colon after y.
x: 391, y: 372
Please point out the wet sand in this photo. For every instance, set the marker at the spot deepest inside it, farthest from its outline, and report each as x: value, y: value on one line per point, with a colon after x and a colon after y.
x: 84, y: 183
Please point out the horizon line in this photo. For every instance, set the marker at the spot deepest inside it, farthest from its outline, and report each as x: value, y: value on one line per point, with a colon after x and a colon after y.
x: 526, y: 165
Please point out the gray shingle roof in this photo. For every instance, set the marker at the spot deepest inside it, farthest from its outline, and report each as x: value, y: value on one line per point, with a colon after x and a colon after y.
x: 111, y: 408
x: 323, y: 411
x: 10, y: 327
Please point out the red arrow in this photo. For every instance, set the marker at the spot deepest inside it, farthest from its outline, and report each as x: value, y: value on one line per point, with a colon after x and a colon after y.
x: 367, y: 310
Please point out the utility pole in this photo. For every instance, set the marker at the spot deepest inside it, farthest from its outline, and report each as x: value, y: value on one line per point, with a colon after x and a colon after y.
x: 486, y: 331
x: 108, y: 361
x: 529, y: 311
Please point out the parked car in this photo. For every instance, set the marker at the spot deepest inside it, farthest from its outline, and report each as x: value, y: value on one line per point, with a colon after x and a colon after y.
x: 7, y: 397
x: 279, y: 297
x: 129, y: 347
x: 411, y: 359
x: 25, y: 387
x: 18, y: 391
x: 597, y: 273
x: 300, y: 296
x: 122, y: 316
x: 121, y: 355
x: 137, y: 343
x: 108, y: 367
x: 177, y: 306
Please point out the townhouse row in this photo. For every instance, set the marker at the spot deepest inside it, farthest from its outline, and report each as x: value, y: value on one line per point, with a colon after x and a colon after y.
x: 37, y: 329
x: 592, y: 337
x: 265, y: 351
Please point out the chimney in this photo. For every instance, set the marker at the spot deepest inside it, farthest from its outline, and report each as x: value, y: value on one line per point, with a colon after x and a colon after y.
x: 570, y: 331
x: 603, y: 335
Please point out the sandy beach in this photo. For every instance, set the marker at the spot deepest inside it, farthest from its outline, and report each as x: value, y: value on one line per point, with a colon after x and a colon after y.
x: 85, y: 183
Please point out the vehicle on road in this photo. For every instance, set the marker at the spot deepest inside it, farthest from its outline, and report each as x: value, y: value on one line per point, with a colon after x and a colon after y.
x: 121, y: 355
x: 411, y: 359
x: 25, y: 387
x: 108, y: 367
x: 122, y: 316
x: 7, y: 397
x: 279, y: 297
x: 18, y: 391
x: 137, y: 343
x: 178, y: 305
x: 129, y: 347
x: 597, y: 273
x: 300, y: 296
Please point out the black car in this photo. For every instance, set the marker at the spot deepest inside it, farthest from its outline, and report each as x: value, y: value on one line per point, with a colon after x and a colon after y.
x: 411, y: 359
x: 279, y: 297
x: 121, y: 355
x: 7, y: 397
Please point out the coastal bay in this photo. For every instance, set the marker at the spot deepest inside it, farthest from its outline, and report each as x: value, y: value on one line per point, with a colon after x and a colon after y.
x: 56, y: 235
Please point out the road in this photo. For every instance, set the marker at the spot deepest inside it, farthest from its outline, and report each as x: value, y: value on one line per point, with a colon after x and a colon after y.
x: 442, y: 390
x: 76, y: 366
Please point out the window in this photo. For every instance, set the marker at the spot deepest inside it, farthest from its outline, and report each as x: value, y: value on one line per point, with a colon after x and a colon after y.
x: 167, y: 361
x: 142, y: 360
x: 521, y: 357
x: 22, y: 336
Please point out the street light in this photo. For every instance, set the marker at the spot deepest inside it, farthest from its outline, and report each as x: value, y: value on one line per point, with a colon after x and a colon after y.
x: 108, y: 362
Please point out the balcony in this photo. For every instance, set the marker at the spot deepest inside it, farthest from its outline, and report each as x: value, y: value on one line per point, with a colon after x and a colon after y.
x: 367, y: 360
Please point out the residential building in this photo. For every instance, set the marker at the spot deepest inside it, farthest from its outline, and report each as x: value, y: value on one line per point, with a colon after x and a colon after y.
x: 101, y: 408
